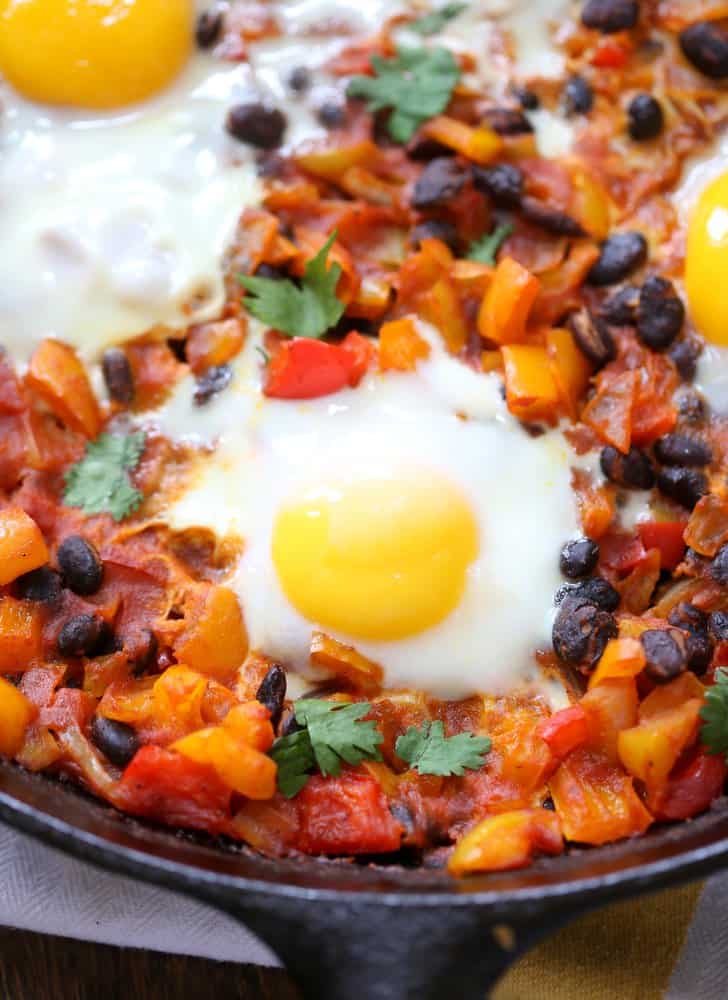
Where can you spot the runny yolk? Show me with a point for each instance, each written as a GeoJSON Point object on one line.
{"type": "Point", "coordinates": [706, 262]}
{"type": "Point", "coordinates": [93, 53]}
{"type": "Point", "coordinates": [376, 558]}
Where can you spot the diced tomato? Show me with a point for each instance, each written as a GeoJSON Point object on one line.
{"type": "Point", "coordinates": [609, 55]}
{"type": "Point", "coordinates": [667, 538]}
{"type": "Point", "coordinates": [346, 815]}
{"type": "Point", "coordinates": [70, 706]}
{"type": "Point", "coordinates": [564, 730]}
{"type": "Point", "coordinates": [693, 785]}
{"type": "Point", "coordinates": [304, 369]}
{"type": "Point", "coordinates": [174, 790]}
{"type": "Point", "coordinates": [621, 551]}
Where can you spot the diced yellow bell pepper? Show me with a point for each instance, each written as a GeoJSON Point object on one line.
{"type": "Point", "coordinates": [531, 392]}
{"type": "Point", "coordinates": [507, 303]}
{"type": "Point", "coordinates": [16, 714]}
{"type": "Point", "coordinates": [401, 346]}
{"type": "Point", "coordinates": [22, 547]}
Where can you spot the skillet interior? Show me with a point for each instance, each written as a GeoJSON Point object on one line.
{"type": "Point", "coordinates": [376, 916]}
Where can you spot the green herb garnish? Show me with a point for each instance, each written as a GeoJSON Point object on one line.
{"type": "Point", "coordinates": [429, 751]}
{"type": "Point", "coordinates": [485, 249]}
{"type": "Point", "coordinates": [99, 483]}
{"type": "Point", "coordinates": [714, 713]}
{"type": "Point", "coordinates": [431, 23]}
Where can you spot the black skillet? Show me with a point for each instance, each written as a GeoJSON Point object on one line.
{"type": "Point", "coordinates": [352, 932]}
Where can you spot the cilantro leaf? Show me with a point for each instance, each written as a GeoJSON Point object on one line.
{"type": "Point", "coordinates": [429, 751]}
{"type": "Point", "coordinates": [430, 24]}
{"type": "Point", "coordinates": [306, 311]}
{"type": "Point", "coordinates": [714, 713]}
{"type": "Point", "coordinates": [485, 249]}
{"type": "Point", "coordinates": [99, 482]}
{"type": "Point", "coordinates": [294, 756]}
{"type": "Point", "coordinates": [416, 84]}
{"type": "Point", "coordinates": [337, 733]}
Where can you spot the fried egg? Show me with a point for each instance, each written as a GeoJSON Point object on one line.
{"type": "Point", "coordinates": [412, 517]}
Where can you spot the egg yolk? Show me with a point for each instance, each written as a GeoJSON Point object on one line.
{"type": "Point", "coordinates": [93, 53]}
{"type": "Point", "coordinates": [376, 559]}
{"type": "Point", "coordinates": [706, 262]}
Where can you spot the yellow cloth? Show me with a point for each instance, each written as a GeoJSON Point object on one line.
{"type": "Point", "coordinates": [626, 951]}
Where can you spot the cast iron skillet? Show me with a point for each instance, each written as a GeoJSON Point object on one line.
{"type": "Point", "coordinates": [349, 931]}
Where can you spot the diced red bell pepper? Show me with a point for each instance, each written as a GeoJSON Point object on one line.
{"type": "Point", "coordinates": [305, 369]}
{"type": "Point", "coordinates": [175, 790]}
{"type": "Point", "coordinates": [667, 538]}
{"type": "Point", "coordinates": [346, 815]}
{"type": "Point", "coordinates": [564, 731]}
{"type": "Point", "coordinates": [609, 55]}
{"type": "Point", "coordinates": [693, 785]}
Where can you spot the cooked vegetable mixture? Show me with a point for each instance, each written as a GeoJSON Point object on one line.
{"type": "Point", "coordinates": [423, 222]}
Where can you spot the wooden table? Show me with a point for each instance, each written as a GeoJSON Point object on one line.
{"type": "Point", "coordinates": [37, 967]}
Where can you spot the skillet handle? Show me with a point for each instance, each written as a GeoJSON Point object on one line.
{"type": "Point", "coordinates": [376, 951]}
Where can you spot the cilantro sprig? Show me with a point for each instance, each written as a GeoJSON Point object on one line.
{"type": "Point", "coordinates": [99, 483]}
{"type": "Point", "coordinates": [308, 310]}
{"type": "Point", "coordinates": [429, 751]}
{"type": "Point", "coordinates": [484, 250]}
{"type": "Point", "coordinates": [714, 713]}
{"type": "Point", "coordinates": [416, 84]}
{"type": "Point", "coordinates": [334, 733]}
{"type": "Point", "coordinates": [430, 24]}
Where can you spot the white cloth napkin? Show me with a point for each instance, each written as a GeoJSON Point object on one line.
{"type": "Point", "coordinates": [44, 890]}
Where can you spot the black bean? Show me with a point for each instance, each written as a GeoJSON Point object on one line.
{"type": "Point", "coordinates": [272, 692]}
{"type": "Point", "coordinates": [660, 314]}
{"type": "Point", "coordinates": [645, 118]}
{"type": "Point", "coordinates": [682, 449]}
{"type": "Point", "coordinates": [80, 564]}
{"type": "Point", "coordinates": [592, 336]}
{"type": "Point", "coordinates": [578, 557]}
{"type": "Point", "coordinates": [684, 355]}
{"type": "Point", "coordinates": [718, 625]}
{"type": "Point", "coordinates": [620, 308]}
{"type": "Point", "coordinates": [609, 16]}
{"type": "Point", "coordinates": [300, 79]}
{"type": "Point", "coordinates": [684, 486]}
{"type": "Point", "coordinates": [578, 96]}
{"type": "Point", "coordinates": [691, 407]}
{"type": "Point", "coordinates": [502, 183]}
{"type": "Point", "coordinates": [440, 181]}
{"type": "Point", "coordinates": [213, 380]}
{"type": "Point", "coordinates": [665, 654]}
{"type": "Point", "coordinates": [594, 591]}
{"type": "Point", "coordinates": [705, 45]}
{"type": "Point", "coordinates": [145, 650]}
{"type": "Point", "coordinates": [719, 566]}
{"type": "Point", "coordinates": [42, 585]}
{"type": "Point", "coordinates": [82, 635]}
{"type": "Point", "coordinates": [116, 741]}
{"type": "Point", "coordinates": [422, 148]}
{"type": "Point", "coordinates": [621, 253]}
{"type": "Point", "coordinates": [698, 643]}
{"type": "Point", "coordinates": [580, 633]}
{"type": "Point", "coordinates": [437, 229]}
{"type": "Point", "coordinates": [526, 98]}
{"type": "Point", "coordinates": [553, 220]}
{"type": "Point", "coordinates": [118, 375]}
{"type": "Point", "coordinates": [508, 121]}
{"type": "Point", "coordinates": [332, 114]}
{"type": "Point", "coordinates": [633, 470]}
{"type": "Point", "coordinates": [209, 26]}
{"type": "Point", "coordinates": [257, 124]}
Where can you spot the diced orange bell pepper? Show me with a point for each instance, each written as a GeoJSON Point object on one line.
{"type": "Point", "coordinates": [331, 162]}
{"type": "Point", "coordinates": [345, 663]}
{"type": "Point", "coordinates": [565, 730]}
{"type": "Point", "coordinates": [621, 658]}
{"type": "Point", "coordinates": [570, 368]}
{"type": "Point", "coordinates": [20, 635]}
{"type": "Point", "coordinates": [531, 392]}
{"type": "Point", "coordinates": [178, 698]}
{"type": "Point", "coordinates": [58, 376]}
{"type": "Point", "coordinates": [441, 306]}
{"type": "Point", "coordinates": [215, 343]}
{"type": "Point", "coordinates": [610, 707]}
{"type": "Point", "coordinates": [507, 841]}
{"type": "Point", "coordinates": [22, 547]}
{"type": "Point", "coordinates": [507, 303]}
{"type": "Point", "coordinates": [665, 697]}
{"type": "Point", "coordinates": [595, 800]}
{"type": "Point", "coordinates": [372, 299]}
{"type": "Point", "coordinates": [480, 144]}
{"type": "Point", "coordinates": [401, 346]}
{"type": "Point", "coordinates": [16, 714]}
{"type": "Point", "coordinates": [240, 767]}
{"type": "Point", "coordinates": [215, 642]}
{"type": "Point", "coordinates": [250, 723]}
{"type": "Point", "coordinates": [650, 750]}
